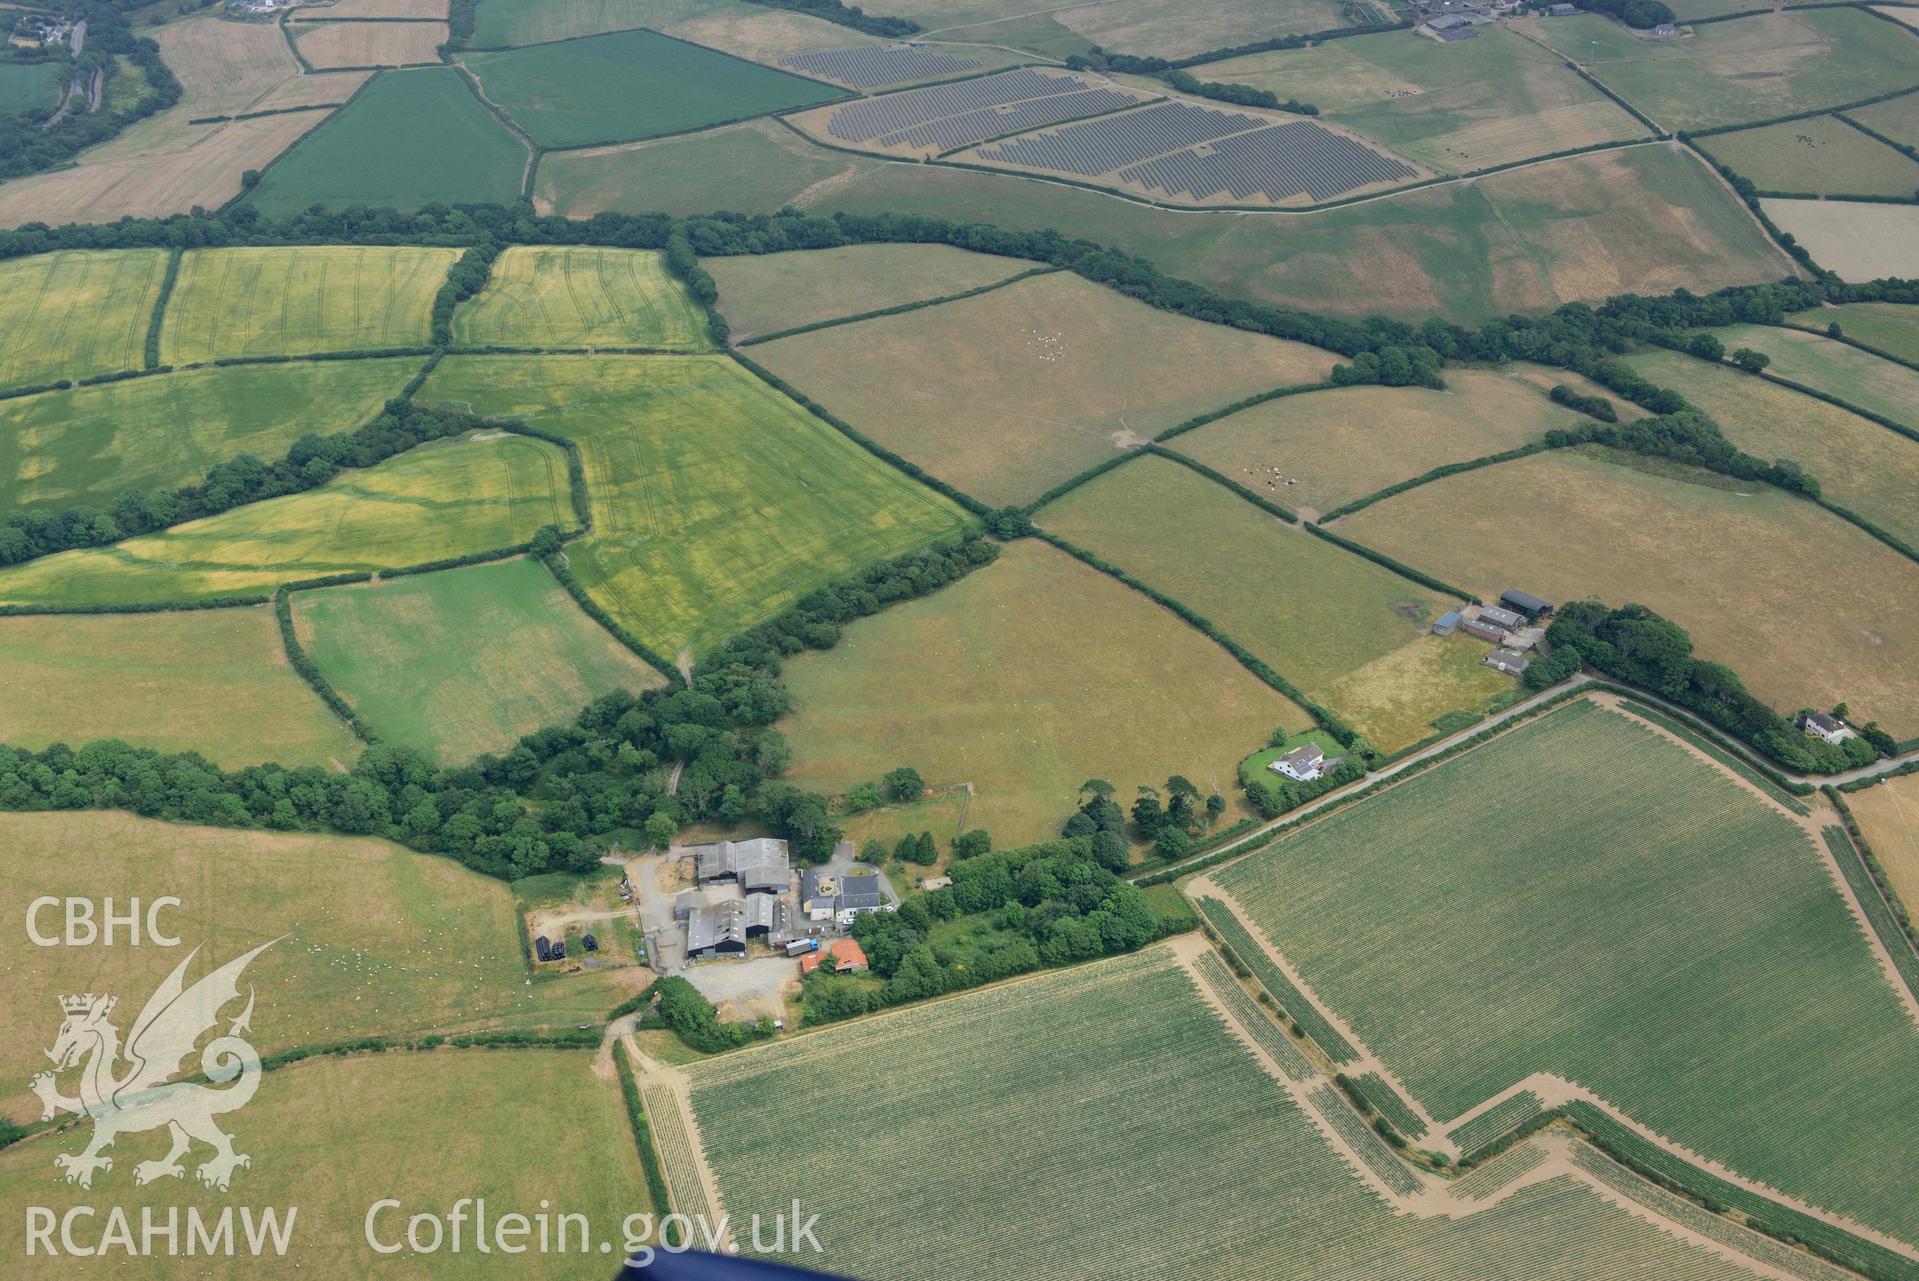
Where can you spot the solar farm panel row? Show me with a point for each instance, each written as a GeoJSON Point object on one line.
{"type": "Point", "coordinates": [1277, 163]}
{"type": "Point", "coordinates": [1101, 146]}
{"type": "Point", "coordinates": [970, 127]}
{"type": "Point", "coordinates": [877, 64]}
{"type": "Point", "coordinates": [870, 117]}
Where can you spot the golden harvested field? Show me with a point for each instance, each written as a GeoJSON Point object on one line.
{"type": "Point", "coordinates": [1889, 816]}
{"type": "Point", "coordinates": [334, 1136]}
{"type": "Point", "coordinates": [1025, 679]}
{"type": "Point", "coordinates": [212, 681]}
{"type": "Point", "coordinates": [1456, 107]}
{"type": "Point", "coordinates": [318, 88]}
{"type": "Point", "coordinates": [1589, 527]}
{"type": "Point", "coordinates": [581, 296]}
{"type": "Point", "coordinates": [201, 165]}
{"type": "Point", "coordinates": [766, 293]}
{"type": "Point", "coordinates": [1860, 465]}
{"type": "Point", "coordinates": [1325, 449]}
{"type": "Point", "coordinates": [1012, 392]}
{"type": "Point", "coordinates": [224, 67]}
{"type": "Point", "coordinates": [1330, 622]}
{"type": "Point", "coordinates": [379, 939]}
{"type": "Point", "coordinates": [369, 44]}
{"type": "Point", "coordinates": [1850, 238]}
{"type": "Point", "coordinates": [76, 312]}
{"type": "Point", "coordinates": [433, 503]}
{"type": "Point", "coordinates": [292, 301]}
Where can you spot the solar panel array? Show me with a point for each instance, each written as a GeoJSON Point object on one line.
{"type": "Point", "coordinates": [868, 118]}
{"type": "Point", "coordinates": [1101, 146]}
{"type": "Point", "coordinates": [877, 64]}
{"type": "Point", "coordinates": [1278, 163]}
{"type": "Point", "coordinates": [978, 125]}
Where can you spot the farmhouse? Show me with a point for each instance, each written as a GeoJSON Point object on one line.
{"type": "Point", "coordinates": [848, 957]}
{"type": "Point", "coordinates": [1302, 764]}
{"type": "Point", "coordinates": [760, 866]}
{"type": "Point", "coordinates": [1511, 662]}
{"type": "Point", "coordinates": [826, 897]}
{"type": "Point", "coordinates": [1447, 623]}
{"type": "Point", "coordinates": [1821, 726]}
{"type": "Point", "coordinates": [1526, 603]}
{"type": "Point", "coordinates": [1664, 31]}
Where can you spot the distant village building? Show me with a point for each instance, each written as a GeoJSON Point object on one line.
{"type": "Point", "coordinates": [1511, 662]}
{"type": "Point", "coordinates": [1829, 728]}
{"type": "Point", "coordinates": [1302, 764]}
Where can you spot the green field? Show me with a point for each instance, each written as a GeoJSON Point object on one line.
{"type": "Point", "coordinates": [1650, 929]}
{"type": "Point", "coordinates": [1456, 107]}
{"type": "Point", "coordinates": [1823, 156]}
{"type": "Point", "coordinates": [504, 23]}
{"type": "Point", "coordinates": [435, 502]}
{"type": "Point", "coordinates": [1857, 377]}
{"type": "Point", "coordinates": [1130, 1103]}
{"type": "Point", "coordinates": [379, 940]}
{"type": "Point", "coordinates": [1034, 674]}
{"type": "Point", "coordinates": [632, 84]}
{"type": "Point", "coordinates": [1860, 465]}
{"type": "Point", "coordinates": [716, 500]}
{"type": "Point", "coordinates": [581, 296]}
{"type": "Point", "coordinates": [76, 313]}
{"type": "Point", "coordinates": [296, 300]}
{"type": "Point", "coordinates": [410, 138]}
{"type": "Point", "coordinates": [1327, 448]}
{"type": "Point", "coordinates": [1335, 625]}
{"type": "Point", "coordinates": [1898, 119]}
{"type": "Point", "coordinates": [1642, 220]}
{"type": "Point", "coordinates": [215, 682]}
{"type": "Point", "coordinates": [1891, 327]}
{"type": "Point", "coordinates": [335, 1136]}
{"type": "Point", "coordinates": [1009, 393]}
{"type": "Point", "coordinates": [465, 661]}
{"type": "Point", "coordinates": [88, 445]}
{"type": "Point", "coordinates": [766, 293]}
{"type": "Point", "coordinates": [1597, 525]}
{"type": "Point", "coordinates": [30, 86]}
{"type": "Point", "coordinates": [1168, 28]}
{"type": "Point", "coordinates": [1750, 69]}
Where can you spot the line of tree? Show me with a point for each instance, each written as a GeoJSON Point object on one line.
{"type": "Point", "coordinates": [562, 793]}
{"type": "Point", "coordinates": [1688, 436]}
{"type": "Point", "coordinates": [1642, 15]}
{"type": "Point", "coordinates": [1047, 904]}
{"type": "Point", "coordinates": [311, 461]}
{"type": "Point", "coordinates": [847, 15]}
{"type": "Point", "coordinates": [696, 1020]}
{"type": "Point", "coordinates": [1635, 645]}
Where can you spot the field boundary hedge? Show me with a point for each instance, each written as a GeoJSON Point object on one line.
{"type": "Point", "coordinates": [564, 573]}
{"type": "Point", "coordinates": [158, 319]}
{"type": "Point", "coordinates": [1874, 869]}
{"type": "Point", "coordinates": [1214, 415]}
{"type": "Point", "coordinates": [1047, 270]}
{"type": "Point", "coordinates": [1437, 473]}
{"type": "Point", "coordinates": [1875, 100]}
{"type": "Point", "coordinates": [1885, 920]}
{"type": "Point", "coordinates": [1766, 780]}
{"type": "Point", "coordinates": [1220, 478]}
{"type": "Point", "coordinates": [310, 671]}
{"type": "Point", "coordinates": [1387, 562]}
{"type": "Point", "coordinates": [650, 1166]}
{"type": "Point", "coordinates": [1843, 337]}
{"type": "Point", "coordinates": [871, 446]}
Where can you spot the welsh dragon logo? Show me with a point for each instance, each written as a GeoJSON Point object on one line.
{"type": "Point", "coordinates": [141, 1097]}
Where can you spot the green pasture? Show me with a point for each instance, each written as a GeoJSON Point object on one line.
{"type": "Point", "coordinates": [75, 313]}
{"type": "Point", "coordinates": [501, 24]}
{"type": "Point", "coordinates": [1889, 326]}
{"type": "Point", "coordinates": [289, 301]}
{"type": "Point", "coordinates": [1821, 156]}
{"type": "Point", "coordinates": [1118, 1074]}
{"type": "Point", "coordinates": [1898, 118]}
{"type": "Point", "coordinates": [409, 138]}
{"type": "Point", "coordinates": [1620, 912]}
{"type": "Point", "coordinates": [87, 446]}
{"type": "Point", "coordinates": [31, 86]}
{"type": "Point", "coordinates": [214, 681]}
{"type": "Point", "coordinates": [581, 296]}
{"type": "Point", "coordinates": [632, 84]}
{"type": "Point", "coordinates": [1316, 613]}
{"type": "Point", "coordinates": [433, 503]}
{"type": "Point", "coordinates": [465, 661]}
{"type": "Point", "coordinates": [1857, 377]}
{"type": "Point", "coordinates": [716, 500]}
{"type": "Point", "coordinates": [1746, 70]}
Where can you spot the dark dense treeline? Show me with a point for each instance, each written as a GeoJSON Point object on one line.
{"type": "Point", "coordinates": [1637, 646]}
{"type": "Point", "coordinates": [27, 146]}
{"type": "Point", "coordinates": [1046, 904]}
{"type": "Point", "coordinates": [310, 462]}
{"type": "Point", "coordinates": [1688, 436]}
{"type": "Point", "coordinates": [847, 15]}
{"type": "Point", "coordinates": [1102, 60]}
{"type": "Point", "coordinates": [1639, 14]}
{"type": "Point", "coordinates": [551, 802]}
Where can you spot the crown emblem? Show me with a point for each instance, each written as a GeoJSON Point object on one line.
{"type": "Point", "coordinates": [81, 1004]}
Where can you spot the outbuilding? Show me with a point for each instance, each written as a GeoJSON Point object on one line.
{"type": "Point", "coordinates": [1498, 617]}
{"type": "Point", "coordinates": [1526, 603]}
{"type": "Point", "coordinates": [1447, 623]}
{"type": "Point", "coordinates": [1511, 662]}
{"type": "Point", "coordinates": [1483, 630]}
